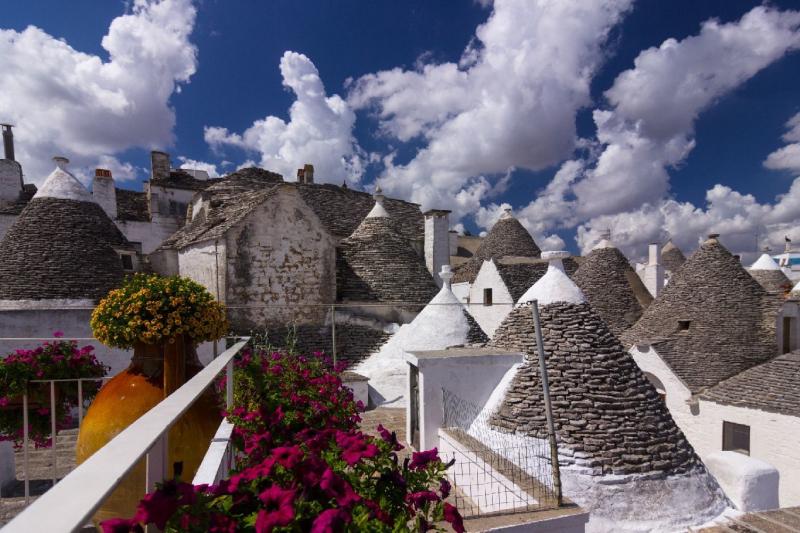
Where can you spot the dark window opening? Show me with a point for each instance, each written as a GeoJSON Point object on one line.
{"type": "Point", "coordinates": [127, 262]}
{"type": "Point", "coordinates": [736, 437]}
{"type": "Point", "coordinates": [788, 323]}
{"type": "Point", "coordinates": [683, 325]}
{"type": "Point", "coordinates": [487, 296]}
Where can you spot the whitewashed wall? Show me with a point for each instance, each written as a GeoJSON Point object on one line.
{"type": "Point", "coordinates": [774, 438]}
{"type": "Point", "coordinates": [489, 317]}
{"type": "Point", "coordinates": [461, 290]}
{"type": "Point", "coordinates": [149, 234]}
{"type": "Point", "coordinates": [204, 262]}
{"type": "Point", "coordinates": [280, 256]}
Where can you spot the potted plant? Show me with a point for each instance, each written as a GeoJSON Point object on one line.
{"type": "Point", "coordinates": [163, 319]}
{"type": "Point", "coordinates": [60, 359]}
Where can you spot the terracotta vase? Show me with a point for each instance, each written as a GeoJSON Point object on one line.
{"type": "Point", "coordinates": [155, 372]}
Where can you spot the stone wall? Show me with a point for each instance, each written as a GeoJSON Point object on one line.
{"type": "Point", "coordinates": [5, 222]}
{"type": "Point", "coordinates": [280, 265]}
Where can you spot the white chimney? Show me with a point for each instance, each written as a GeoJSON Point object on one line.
{"type": "Point", "coordinates": [105, 192]}
{"type": "Point", "coordinates": [437, 241]}
{"type": "Point", "coordinates": [654, 271]}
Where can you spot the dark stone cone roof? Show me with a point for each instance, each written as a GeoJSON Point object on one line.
{"type": "Point", "coordinates": [772, 280]}
{"type": "Point", "coordinates": [613, 288]}
{"type": "Point", "coordinates": [60, 248]}
{"type": "Point", "coordinates": [671, 257]}
{"type": "Point", "coordinates": [604, 408]}
{"type": "Point", "coordinates": [732, 319]}
{"type": "Point", "coordinates": [377, 263]}
{"type": "Point", "coordinates": [475, 335]}
{"type": "Point", "coordinates": [773, 386]}
{"type": "Point", "coordinates": [506, 238]}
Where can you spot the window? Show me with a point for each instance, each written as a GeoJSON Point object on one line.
{"type": "Point", "coordinates": [487, 296]}
{"type": "Point", "coordinates": [127, 262]}
{"type": "Point", "coordinates": [683, 325]}
{"type": "Point", "coordinates": [788, 324]}
{"type": "Point", "coordinates": [735, 437]}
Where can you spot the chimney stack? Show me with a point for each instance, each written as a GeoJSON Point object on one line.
{"type": "Point", "coordinates": [654, 271]}
{"type": "Point", "coordinates": [301, 178]}
{"type": "Point", "coordinates": [437, 242]}
{"type": "Point", "coordinates": [105, 192]}
{"type": "Point", "coordinates": [8, 141]}
{"type": "Point", "coordinates": [159, 165]}
{"type": "Point", "coordinates": [308, 173]}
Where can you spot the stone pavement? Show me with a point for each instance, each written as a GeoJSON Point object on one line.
{"type": "Point", "coordinates": [786, 520]}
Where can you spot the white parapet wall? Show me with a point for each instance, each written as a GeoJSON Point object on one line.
{"type": "Point", "coordinates": [358, 384]}
{"type": "Point", "coordinates": [750, 484]}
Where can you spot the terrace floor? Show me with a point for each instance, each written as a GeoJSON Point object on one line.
{"type": "Point", "coordinates": [786, 520]}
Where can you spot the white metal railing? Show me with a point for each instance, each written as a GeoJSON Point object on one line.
{"type": "Point", "coordinates": [219, 458]}
{"type": "Point", "coordinates": [70, 504]}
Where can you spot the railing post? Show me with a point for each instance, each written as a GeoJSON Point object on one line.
{"type": "Point", "coordinates": [548, 408]}
{"type": "Point", "coordinates": [229, 385]}
{"type": "Point", "coordinates": [53, 430]}
{"type": "Point", "coordinates": [156, 463]}
{"type": "Point", "coordinates": [333, 331]}
{"type": "Point", "coordinates": [25, 444]}
{"type": "Point", "coordinates": [80, 403]}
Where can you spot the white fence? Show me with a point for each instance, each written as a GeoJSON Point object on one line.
{"type": "Point", "coordinates": [70, 504]}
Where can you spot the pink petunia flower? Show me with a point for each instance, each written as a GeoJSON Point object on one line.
{"type": "Point", "coordinates": [330, 521]}
{"type": "Point", "coordinates": [278, 508]}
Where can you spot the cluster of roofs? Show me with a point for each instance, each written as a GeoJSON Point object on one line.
{"type": "Point", "coordinates": [651, 370]}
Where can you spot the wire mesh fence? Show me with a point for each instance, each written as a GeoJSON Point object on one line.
{"type": "Point", "coordinates": [493, 472]}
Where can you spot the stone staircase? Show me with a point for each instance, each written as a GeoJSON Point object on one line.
{"type": "Point", "coordinates": [40, 468]}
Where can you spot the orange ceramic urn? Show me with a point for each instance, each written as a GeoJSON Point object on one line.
{"type": "Point", "coordinates": [155, 371]}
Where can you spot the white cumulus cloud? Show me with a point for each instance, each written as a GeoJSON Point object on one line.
{"type": "Point", "coordinates": [319, 130]}
{"type": "Point", "coordinates": [787, 157]}
{"type": "Point", "coordinates": [70, 103]}
{"type": "Point", "coordinates": [509, 102]}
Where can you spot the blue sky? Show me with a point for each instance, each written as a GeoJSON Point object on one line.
{"type": "Point", "coordinates": [235, 79]}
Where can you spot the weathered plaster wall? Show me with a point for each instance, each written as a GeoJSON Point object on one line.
{"type": "Point", "coordinates": [205, 263]}
{"type": "Point", "coordinates": [279, 256]}
{"type": "Point", "coordinates": [489, 317]}
{"type": "Point", "coordinates": [773, 437]}
{"type": "Point", "coordinates": [461, 290]}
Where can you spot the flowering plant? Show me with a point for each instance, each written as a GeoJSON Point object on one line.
{"type": "Point", "coordinates": [151, 309]}
{"type": "Point", "coordinates": [304, 465]}
{"type": "Point", "coordinates": [52, 360]}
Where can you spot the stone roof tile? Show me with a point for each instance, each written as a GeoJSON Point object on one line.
{"type": "Point", "coordinates": [773, 386]}
{"type": "Point", "coordinates": [712, 321]}
{"type": "Point", "coordinates": [613, 288]}
{"type": "Point", "coordinates": [132, 206]}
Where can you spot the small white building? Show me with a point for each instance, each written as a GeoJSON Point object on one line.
{"type": "Point", "coordinates": [444, 322]}
{"type": "Point", "coordinates": [708, 344]}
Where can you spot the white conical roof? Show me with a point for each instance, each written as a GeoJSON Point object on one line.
{"type": "Point", "coordinates": [444, 322]}
{"type": "Point", "coordinates": [555, 285]}
{"type": "Point", "coordinates": [378, 211]}
{"type": "Point", "coordinates": [765, 262]}
{"type": "Point", "coordinates": [604, 243]}
{"type": "Point", "coordinates": [62, 184]}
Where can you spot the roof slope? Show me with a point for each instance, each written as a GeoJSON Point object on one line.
{"type": "Point", "coordinates": [339, 209]}
{"type": "Point", "coordinates": [773, 386]}
{"type": "Point", "coordinates": [180, 179]}
{"type": "Point", "coordinates": [15, 207]}
{"type": "Point", "coordinates": [603, 406]}
{"type": "Point", "coordinates": [60, 248]}
{"type": "Point", "coordinates": [506, 238]}
{"type": "Point", "coordinates": [769, 275]}
{"type": "Point", "coordinates": [732, 319]}
{"type": "Point", "coordinates": [671, 257]}
{"type": "Point", "coordinates": [132, 206]}
{"type": "Point", "coordinates": [613, 288]}
{"type": "Point", "coordinates": [518, 275]}
{"type": "Point", "coordinates": [377, 263]}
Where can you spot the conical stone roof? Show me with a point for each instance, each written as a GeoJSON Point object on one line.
{"type": "Point", "coordinates": [712, 321]}
{"type": "Point", "coordinates": [612, 287]}
{"type": "Point", "coordinates": [444, 322]}
{"type": "Point", "coordinates": [769, 275]}
{"type": "Point", "coordinates": [609, 419]}
{"type": "Point", "coordinates": [62, 245]}
{"type": "Point", "coordinates": [671, 257]}
{"type": "Point", "coordinates": [377, 263]}
{"type": "Point", "coordinates": [507, 238]}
